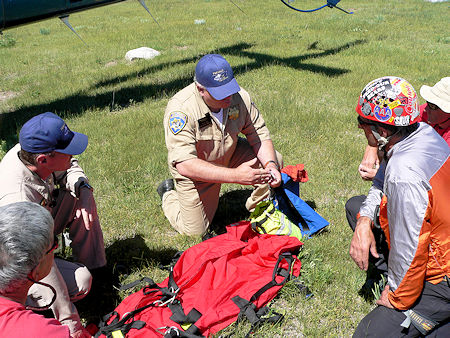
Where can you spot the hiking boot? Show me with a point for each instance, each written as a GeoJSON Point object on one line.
{"type": "Point", "coordinates": [164, 187]}
{"type": "Point", "coordinates": [374, 284]}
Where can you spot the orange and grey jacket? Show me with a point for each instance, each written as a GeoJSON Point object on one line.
{"type": "Point", "coordinates": [414, 214]}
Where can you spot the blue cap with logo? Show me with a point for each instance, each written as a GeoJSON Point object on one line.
{"type": "Point", "coordinates": [215, 74]}
{"type": "Point", "coordinates": [48, 132]}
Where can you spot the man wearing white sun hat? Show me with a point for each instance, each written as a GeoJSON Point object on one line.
{"type": "Point", "coordinates": [437, 110]}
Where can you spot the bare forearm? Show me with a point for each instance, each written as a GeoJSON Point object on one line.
{"type": "Point", "coordinates": [370, 157]}
{"type": "Point", "coordinates": [265, 152]}
{"type": "Point", "coordinates": [200, 170]}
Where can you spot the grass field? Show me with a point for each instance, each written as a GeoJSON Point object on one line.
{"type": "Point", "coordinates": [304, 72]}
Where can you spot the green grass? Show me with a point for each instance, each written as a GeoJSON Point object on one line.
{"type": "Point", "coordinates": [304, 72]}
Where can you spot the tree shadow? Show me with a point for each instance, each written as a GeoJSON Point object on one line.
{"type": "Point", "coordinates": [118, 94]}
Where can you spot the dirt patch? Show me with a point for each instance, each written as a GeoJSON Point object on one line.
{"type": "Point", "coordinates": [111, 64]}
{"type": "Point", "coordinates": [7, 95]}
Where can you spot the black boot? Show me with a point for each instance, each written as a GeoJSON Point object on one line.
{"type": "Point", "coordinates": [164, 187]}
{"type": "Point", "coordinates": [375, 281]}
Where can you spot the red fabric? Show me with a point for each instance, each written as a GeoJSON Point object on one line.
{"type": "Point", "coordinates": [16, 321]}
{"type": "Point", "coordinates": [210, 273]}
{"type": "Point", "coordinates": [445, 133]}
{"type": "Point", "coordinates": [296, 172]}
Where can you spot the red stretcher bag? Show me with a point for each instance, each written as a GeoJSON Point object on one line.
{"type": "Point", "coordinates": [212, 283]}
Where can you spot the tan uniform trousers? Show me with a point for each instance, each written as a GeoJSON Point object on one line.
{"type": "Point", "coordinates": [87, 245]}
{"type": "Point", "coordinates": [191, 207]}
{"type": "Point", "coordinates": [72, 282]}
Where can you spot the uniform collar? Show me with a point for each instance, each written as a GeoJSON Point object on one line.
{"type": "Point", "coordinates": [30, 178]}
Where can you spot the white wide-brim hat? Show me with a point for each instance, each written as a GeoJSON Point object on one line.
{"type": "Point", "coordinates": [439, 94]}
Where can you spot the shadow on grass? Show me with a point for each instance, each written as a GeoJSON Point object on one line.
{"type": "Point", "coordinates": [118, 94]}
{"type": "Point", "coordinates": [124, 256]}
{"type": "Point", "coordinates": [231, 209]}
{"type": "Point", "coordinates": [127, 255]}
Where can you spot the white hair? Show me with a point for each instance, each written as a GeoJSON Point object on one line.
{"type": "Point", "coordinates": [26, 232]}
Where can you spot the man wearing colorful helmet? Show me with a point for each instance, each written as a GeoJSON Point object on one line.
{"type": "Point", "coordinates": [202, 125]}
{"type": "Point", "coordinates": [435, 112]}
{"type": "Point", "coordinates": [413, 197]}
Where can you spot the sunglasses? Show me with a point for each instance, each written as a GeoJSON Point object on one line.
{"type": "Point", "coordinates": [54, 246]}
{"type": "Point", "coordinates": [432, 106]}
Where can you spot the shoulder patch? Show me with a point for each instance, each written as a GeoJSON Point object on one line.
{"type": "Point", "coordinates": [233, 112]}
{"type": "Point", "coordinates": [177, 121]}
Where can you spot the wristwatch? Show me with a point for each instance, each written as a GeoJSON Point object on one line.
{"type": "Point", "coordinates": [84, 184]}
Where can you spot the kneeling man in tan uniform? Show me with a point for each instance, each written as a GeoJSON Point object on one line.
{"type": "Point", "coordinates": [202, 123]}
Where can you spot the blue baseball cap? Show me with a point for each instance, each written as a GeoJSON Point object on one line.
{"type": "Point", "coordinates": [215, 74]}
{"type": "Point", "coordinates": [48, 132]}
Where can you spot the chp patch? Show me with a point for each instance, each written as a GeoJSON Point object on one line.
{"type": "Point", "coordinates": [177, 121]}
{"type": "Point", "coordinates": [233, 112]}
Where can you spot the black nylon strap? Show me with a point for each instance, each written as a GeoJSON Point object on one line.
{"type": "Point", "coordinates": [247, 309]}
{"type": "Point", "coordinates": [277, 271]}
{"type": "Point", "coordinates": [122, 324]}
{"type": "Point", "coordinates": [255, 317]}
{"type": "Point", "coordinates": [147, 280]}
{"type": "Point", "coordinates": [272, 319]}
{"type": "Point", "coordinates": [422, 323]}
{"type": "Point", "coordinates": [167, 293]}
{"type": "Point", "coordinates": [180, 333]}
{"type": "Point", "coordinates": [259, 224]}
{"type": "Point", "coordinates": [178, 315]}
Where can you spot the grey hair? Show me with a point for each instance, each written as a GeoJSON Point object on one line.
{"type": "Point", "coordinates": [198, 83]}
{"type": "Point", "coordinates": [26, 232]}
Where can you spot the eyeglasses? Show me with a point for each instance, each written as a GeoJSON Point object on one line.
{"type": "Point", "coordinates": [54, 246]}
{"type": "Point", "coordinates": [432, 106]}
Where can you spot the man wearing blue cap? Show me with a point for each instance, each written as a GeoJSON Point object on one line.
{"type": "Point", "coordinates": [41, 169]}
{"type": "Point", "coordinates": [202, 123]}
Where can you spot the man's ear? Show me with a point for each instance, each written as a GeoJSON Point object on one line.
{"type": "Point", "coordinates": [383, 131]}
{"type": "Point", "coordinates": [201, 90]}
{"type": "Point", "coordinates": [34, 274]}
{"type": "Point", "coordinates": [41, 159]}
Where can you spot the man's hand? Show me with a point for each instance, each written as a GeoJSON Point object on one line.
{"type": "Point", "coordinates": [249, 173]}
{"type": "Point", "coordinates": [275, 175]}
{"type": "Point", "coordinates": [384, 300]}
{"type": "Point", "coordinates": [82, 333]}
{"type": "Point", "coordinates": [363, 241]}
{"type": "Point", "coordinates": [369, 164]}
{"type": "Point", "coordinates": [87, 208]}
{"type": "Point", "coordinates": [367, 173]}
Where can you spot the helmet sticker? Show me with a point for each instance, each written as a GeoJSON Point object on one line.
{"type": "Point", "coordinates": [366, 109]}
{"type": "Point", "coordinates": [177, 121]}
{"type": "Point", "coordinates": [402, 120]}
{"type": "Point", "coordinates": [382, 114]}
{"type": "Point", "coordinates": [398, 111]}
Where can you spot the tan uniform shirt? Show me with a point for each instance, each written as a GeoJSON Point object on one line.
{"type": "Point", "coordinates": [18, 183]}
{"type": "Point", "coordinates": [191, 132]}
